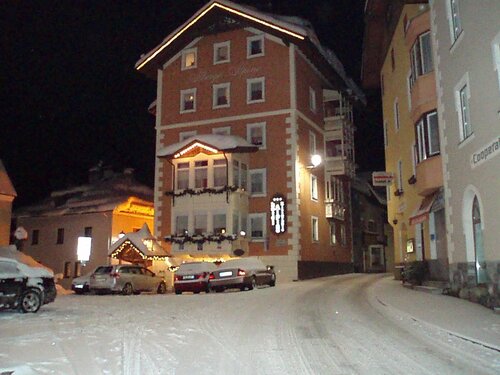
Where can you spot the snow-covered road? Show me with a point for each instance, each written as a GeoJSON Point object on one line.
{"type": "Point", "coordinates": [328, 326]}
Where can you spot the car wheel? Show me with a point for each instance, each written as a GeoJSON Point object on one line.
{"type": "Point", "coordinates": [31, 301]}
{"type": "Point", "coordinates": [78, 291]}
{"type": "Point", "coordinates": [207, 289]}
{"type": "Point", "coordinates": [162, 288]}
{"type": "Point", "coordinates": [196, 292]}
{"type": "Point", "coordinates": [273, 280]}
{"type": "Point", "coordinates": [253, 284]}
{"type": "Point", "coordinates": [127, 289]}
{"type": "Point", "coordinates": [219, 290]}
{"type": "Point", "coordinates": [178, 292]}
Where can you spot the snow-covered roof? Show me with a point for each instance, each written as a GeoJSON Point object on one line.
{"type": "Point", "coordinates": [6, 187]}
{"type": "Point", "coordinates": [359, 183]}
{"type": "Point", "coordinates": [296, 28]}
{"type": "Point", "coordinates": [219, 142]}
{"type": "Point", "coordinates": [102, 195]}
{"type": "Point", "coordinates": [136, 240]}
{"type": "Point", "coordinates": [35, 269]}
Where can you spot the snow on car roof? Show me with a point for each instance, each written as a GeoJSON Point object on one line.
{"type": "Point", "coordinates": [195, 267]}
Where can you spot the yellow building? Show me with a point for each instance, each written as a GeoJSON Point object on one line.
{"type": "Point", "coordinates": [398, 45]}
{"type": "Point", "coordinates": [7, 195]}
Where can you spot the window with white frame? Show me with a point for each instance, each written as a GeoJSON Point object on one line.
{"type": "Point", "coordinates": [257, 226]}
{"type": "Point", "coordinates": [312, 143]}
{"type": "Point", "coordinates": [243, 176]}
{"type": "Point", "coordinates": [396, 114]}
{"type": "Point", "coordinates": [462, 97]}
{"type": "Point", "coordinates": [183, 176]}
{"type": "Point", "coordinates": [219, 223]}
{"type": "Point", "coordinates": [258, 182]}
{"type": "Point", "coordinates": [312, 99]}
{"type": "Point", "coordinates": [220, 95]}
{"type": "Point", "coordinates": [201, 174]}
{"type": "Point", "coordinates": [220, 172]}
{"type": "Point", "coordinates": [236, 173]}
{"type": "Point", "coordinates": [454, 20]}
{"type": "Point", "coordinates": [315, 228]}
{"type": "Point", "coordinates": [188, 100]}
{"type": "Point", "coordinates": [200, 224]}
{"type": "Point", "coordinates": [222, 52]}
{"type": "Point", "coordinates": [181, 224]}
{"type": "Point", "coordinates": [255, 46]}
{"type": "Point", "coordinates": [314, 188]}
{"type": "Point", "coordinates": [427, 136]}
{"type": "Point", "coordinates": [421, 57]}
{"type": "Point", "coordinates": [495, 46]}
{"type": "Point", "coordinates": [256, 134]}
{"type": "Point", "coordinates": [333, 233]}
{"type": "Point", "coordinates": [255, 90]}
{"type": "Point", "coordinates": [186, 135]}
{"type": "Point", "coordinates": [225, 130]}
{"type": "Point", "coordinates": [189, 58]}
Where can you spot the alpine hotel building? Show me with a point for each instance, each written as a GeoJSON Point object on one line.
{"type": "Point", "coordinates": [244, 100]}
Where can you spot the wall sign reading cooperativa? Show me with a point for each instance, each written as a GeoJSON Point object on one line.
{"type": "Point", "coordinates": [486, 152]}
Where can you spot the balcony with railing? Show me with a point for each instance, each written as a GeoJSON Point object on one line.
{"type": "Point", "coordinates": [334, 210]}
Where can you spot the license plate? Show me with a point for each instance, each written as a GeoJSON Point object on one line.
{"type": "Point", "coordinates": [226, 274]}
{"type": "Point", "coordinates": [188, 277]}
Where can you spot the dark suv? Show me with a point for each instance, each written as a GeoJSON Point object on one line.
{"type": "Point", "coordinates": [25, 287]}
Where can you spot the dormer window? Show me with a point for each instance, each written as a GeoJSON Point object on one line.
{"type": "Point", "coordinates": [222, 52]}
{"type": "Point", "coordinates": [255, 46]}
{"type": "Point", "coordinates": [189, 59]}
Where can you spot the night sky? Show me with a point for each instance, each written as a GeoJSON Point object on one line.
{"type": "Point", "coordinates": [70, 96]}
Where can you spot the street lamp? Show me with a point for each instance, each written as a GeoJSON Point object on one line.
{"type": "Point", "coordinates": [315, 161]}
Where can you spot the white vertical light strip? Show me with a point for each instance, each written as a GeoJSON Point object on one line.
{"type": "Point", "coordinates": [158, 188]}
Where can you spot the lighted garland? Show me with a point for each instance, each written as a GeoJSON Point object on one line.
{"type": "Point", "coordinates": [198, 239]}
{"type": "Point", "coordinates": [127, 243]}
{"type": "Point", "coordinates": [192, 192]}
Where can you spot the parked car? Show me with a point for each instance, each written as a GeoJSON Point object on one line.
{"type": "Point", "coordinates": [25, 287]}
{"type": "Point", "coordinates": [81, 285]}
{"type": "Point", "coordinates": [242, 273]}
{"type": "Point", "coordinates": [193, 277]}
{"type": "Point", "coordinates": [126, 279]}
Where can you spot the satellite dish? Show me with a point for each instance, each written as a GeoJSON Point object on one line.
{"type": "Point", "coordinates": [21, 234]}
{"type": "Point", "coordinates": [238, 252]}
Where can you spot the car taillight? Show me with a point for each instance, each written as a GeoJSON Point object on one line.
{"type": "Point", "coordinates": [114, 274]}
{"type": "Point", "coordinates": [211, 276]}
{"type": "Point", "coordinates": [177, 277]}
{"type": "Point", "coordinates": [241, 273]}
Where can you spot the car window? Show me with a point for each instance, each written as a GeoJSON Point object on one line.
{"type": "Point", "coordinates": [8, 268]}
{"type": "Point", "coordinates": [103, 269]}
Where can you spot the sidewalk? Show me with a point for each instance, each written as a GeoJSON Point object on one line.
{"type": "Point", "coordinates": [461, 318]}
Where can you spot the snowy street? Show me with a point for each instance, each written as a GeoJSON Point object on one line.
{"type": "Point", "coordinates": [333, 325]}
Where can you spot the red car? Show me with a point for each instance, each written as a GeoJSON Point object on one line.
{"type": "Point", "coordinates": [193, 277]}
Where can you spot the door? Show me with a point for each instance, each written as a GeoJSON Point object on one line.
{"type": "Point", "coordinates": [477, 229]}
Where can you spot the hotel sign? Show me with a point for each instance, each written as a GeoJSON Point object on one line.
{"type": "Point", "coordinates": [382, 178]}
{"type": "Point", "coordinates": [278, 214]}
{"type": "Point", "coordinates": [488, 151]}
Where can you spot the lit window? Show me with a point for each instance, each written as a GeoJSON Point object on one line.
{"type": "Point", "coordinates": [220, 172]}
{"type": "Point", "coordinates": [200, 224]}
{"type": "Point", "coordinates": [220, 98]}
{"type": "Point", "coordinates": [314, 188]}
{"type": "Point", "coordinates": [222, 52]}
{"type": "Point", "coordinates": [188, 100]}
{"type": "Point", "coordinates": [256, 134]}
{"type": "Point", "coordinates": [257, 226]}
{"type": "Point", "coordinates": [255, 90]}
{"type": "Point", "coordinates": [315, 228]}
{"type": "Point", "coordinates": [181, 225]}
{"type": "Point", "coordinates": [189, 59]}
{"type": "Point", "coordinates": [201, 174]}
{"type": "Point", "coordinates": [183, 176]}
{"type": "Point", "coordinates": [255, 46]}
{"type": "Point", "coordinates": [258, 182]}
{"type": "Point", "coordinates": [219, 223]}
{"type": "Point", "coordinates": [427, 136]}
{"type": "Point", "coordinates": [312, 99]}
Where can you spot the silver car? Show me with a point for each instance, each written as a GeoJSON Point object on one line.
{"type": "Point", "coordinates": [126, 279]}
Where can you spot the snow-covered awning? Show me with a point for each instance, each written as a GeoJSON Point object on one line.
{"type": "Point", "coordinates": [208, 143]}
{"type": "Point", "coordinates": [140, 245]}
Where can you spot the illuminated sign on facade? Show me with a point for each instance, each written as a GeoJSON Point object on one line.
{"type": "Point", "coordinates": [278, 213]}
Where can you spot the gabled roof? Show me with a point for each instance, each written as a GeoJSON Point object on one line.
{"type": "Point", "coordinates": [136, 241]}
{"type": "Point", "coordinates": [6, 187]}
{"type": "Point", "coordinates": [292, 29]}
{"type": "Point", "coordinates": [213, 143]}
